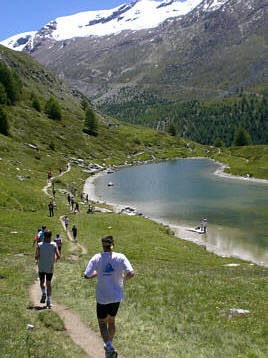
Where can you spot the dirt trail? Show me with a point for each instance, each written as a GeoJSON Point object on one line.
{"type": "Point", "coordinates": [79, 332]}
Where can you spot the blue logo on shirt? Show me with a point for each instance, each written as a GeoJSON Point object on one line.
{"type": "Point", "coordinates": [108, 269]}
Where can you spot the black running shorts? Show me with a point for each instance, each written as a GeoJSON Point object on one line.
{"type": "Point", "coordinates": [48, 276]}
{"type": "Point", "coordinates": [110, 309]}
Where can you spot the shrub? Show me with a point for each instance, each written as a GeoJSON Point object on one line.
{"type": "Point", "coordinates": [218, 143]}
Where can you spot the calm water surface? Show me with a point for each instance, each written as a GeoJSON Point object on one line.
{"type": "Point", "coordinates": [181, 192]}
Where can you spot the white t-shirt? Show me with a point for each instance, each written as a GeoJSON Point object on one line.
{"type": "Point", "coordinates": [47, 256]}
{"type": "Point", "coordinates": [110, 269]}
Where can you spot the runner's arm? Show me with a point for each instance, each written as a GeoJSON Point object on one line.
{"type": "Point", "coordinates": [37, 253]}
{"type": "Point", "coordinates": [128, 275]}
{"type": "Point", "coordinates": [91, 276]}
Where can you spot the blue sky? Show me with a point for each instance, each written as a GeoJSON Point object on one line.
{"type": "Point", "coordinates": [19, 16]}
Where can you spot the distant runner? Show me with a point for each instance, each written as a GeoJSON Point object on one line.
{"type": "Point", "coordinates": [74, 230]}
{"type": "Point", "coordinates": [46, 254]}
{"type": "Point", "coordinates": [108, 267]}
{"type": "Point", "coordinates": [204, 224]}
{"type": "Point", "coordinates": [58, 241]}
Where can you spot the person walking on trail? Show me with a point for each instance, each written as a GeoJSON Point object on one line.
{"type": "Point", "coordinates": [69, 198]}
{"type": "Point", "coordinates": [66, 222]}
{"type": "Point", "coordinates": [204, 224]}
{"type": "Point", "coordinates": [72, 202]}
{"type": "Point", "coordinates": [109, 267]}
{"type": "Point", "coordinates": [74, 230]}
{"type": "Point", "coordinates": [76, 209]}
{"type": "Point", "coordinates": [51, 209]}
{"type": "Point", "coordinates": [49, 176]}
{"type": "Point", "coordinates": [46, 254]}
{"type": "Point", "coordinates": [41, 234]}
{"type": "Point", "coordinates": [36, 238]}
{"type": "Point", "coordinates": [58, 241]}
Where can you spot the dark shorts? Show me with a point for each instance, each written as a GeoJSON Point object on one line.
{"type": "Point", "coordinates": [43, 275]}
{"type": "Point", "coordinates": [110, 309]}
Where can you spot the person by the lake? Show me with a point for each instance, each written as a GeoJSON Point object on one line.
{"type": "Point", "coordinates": [74, 230]}
{"type": "Point", "coordinates": [51, 209]}
{"type": "Point", "coordinates": [111, 269]}
{"type": "Point", "coordinates": [204, 224]}
{"type": "Point", "coordinates": [58, 241]}
{"type": "Point", "coordinates": [66, 222]}
{"type": "Point", "coordinates": [90, 209]}
{"type": "Point", "coordinates": [46, 254]}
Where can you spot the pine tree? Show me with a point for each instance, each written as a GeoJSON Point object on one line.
{"type": "Point", "coordinates": [11, 83]}
{"type": "Point", "coordinates": [241, 137]}
{"type": "Point", "coordinates": [91, 122]}
{"type": "Point", "coordinates": [172, 129]}
{"type": "Point", "coordinates": [52, 109]}
{"type": "Point", "coordinates": [3, 94]}
{"type": "Point", "coordinates": [36, 103]}
{"type": "Point", "coordinates": [4, 126]}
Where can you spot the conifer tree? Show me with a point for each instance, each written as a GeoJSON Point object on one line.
{"type": "Point", "coordinates": [91, 122]}
{"type": "Point", "coordinates": [3, 94]}
{"type": "Point", "coordinates": [52, 109]}
{"type": "Point", "coordinates": [36, 103]}
{"type": "Point", "coordinates": [172, 129]}
{"type": "Point", "coordinates": [11, 83]}
{"type": "Point", "coordinates": [4, 126]}
{"type": "Point", "coordinates": [241, 137]}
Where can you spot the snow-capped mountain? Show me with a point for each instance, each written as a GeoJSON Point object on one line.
{"type": "Point", "coordinates": [136, 15]}
{"type": "Point", "coordinates": [177, 50]}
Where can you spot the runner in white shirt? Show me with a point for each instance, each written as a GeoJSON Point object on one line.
{"type": "Point", "coordinates": [109, 267]}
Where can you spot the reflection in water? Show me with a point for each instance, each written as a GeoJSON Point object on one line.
{"type": "Point", "coordinates": [181, 192]}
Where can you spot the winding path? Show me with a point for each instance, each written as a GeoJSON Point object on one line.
{"type": "Point", "coordinates": [79, 332]}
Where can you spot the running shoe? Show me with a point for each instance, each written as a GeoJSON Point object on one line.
{"type": "Point", "coordinates": [49, 305]}
{"type": "Point", "coordinates": [43, 298]}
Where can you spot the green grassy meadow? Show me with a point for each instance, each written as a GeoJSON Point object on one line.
{"type": "Point", "coordinates": [177, 305]}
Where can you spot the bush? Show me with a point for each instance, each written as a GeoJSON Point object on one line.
{"type": "Point", "coordinates": [52, 109]}
{"type": "Point", "coordinates": [4, 126]}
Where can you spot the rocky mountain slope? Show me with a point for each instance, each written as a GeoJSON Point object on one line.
{"type": "Point", "coordinates": [208, 51]}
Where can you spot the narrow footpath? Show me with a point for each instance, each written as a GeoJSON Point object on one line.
{"type": "Point", "coordinates": [78, 331]}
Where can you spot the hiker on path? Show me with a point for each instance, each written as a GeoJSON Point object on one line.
{"type": "Point", "coordinates": [204, 224]}
{"type": "Point", "coordinates": [46, 254]}
{"type": "Point", "coordinates": [108, 267]}
{"type": "Point", "coordinates": [51, 209]}
{"type": "Point", "coordinates": [81, 195]}
{"type": "Point", "coordinates": [69, 198]}
{"type": "Point", "coordinates": [87, 198]}
{"type": "Point", "coordinates": [49, 176]}
{"type": "Point", "coordinates": [90, 209]}
{"type": "Point", "coordinates": [66, 222]}
{"type": "Point", "coordinates": [76, 209]}
{"type": "Point", "coordinates": [58, 241]}
{"type": "Point", "coordinates": [41, 234]}
{"type": "Point", "coordinates": [72, 202]}
{"type": "Point", "coordinates": [74, 230]}
{"type": "Point", "coordinates": [36, 238]}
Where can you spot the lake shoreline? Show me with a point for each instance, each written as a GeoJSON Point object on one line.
{"type": "Point", "coordinates": [180, 231]}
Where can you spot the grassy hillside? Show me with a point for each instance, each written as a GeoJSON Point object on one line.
{"type": "Point", "coordinates": [178, 304]}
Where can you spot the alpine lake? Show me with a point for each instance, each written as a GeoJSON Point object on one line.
{"type": "Point", "coordinates": [180, 192]}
